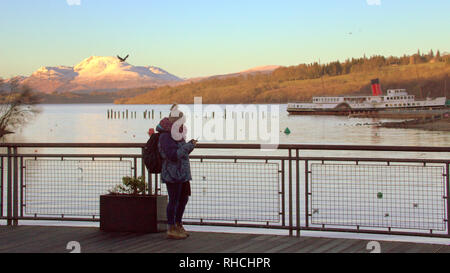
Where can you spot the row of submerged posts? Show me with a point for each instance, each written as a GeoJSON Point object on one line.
{"type": "Point", "coordinates": [152, 114]}
{"type": "Point", "coordinates": [111, 114]}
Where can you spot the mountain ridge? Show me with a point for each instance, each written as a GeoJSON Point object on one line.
{"type": "Point", "coordinates": [97, 73]}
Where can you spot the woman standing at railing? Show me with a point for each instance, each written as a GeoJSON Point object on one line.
{"type": "Point", "coordinates": [176, 170]}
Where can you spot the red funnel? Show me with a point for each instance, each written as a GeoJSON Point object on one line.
{"type": "Point", "coordinates": [376, 89]}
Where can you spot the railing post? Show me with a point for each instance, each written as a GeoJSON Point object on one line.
{"type": "Point", "coordinates": [283, 194]}
{"type": "Point", "coordinates": [9, 189]}
{"type": "Point", "coordinates": [22, 186]}
{"type": "Point", "coordinates": [135, 168]}
{"type": "Point", "coordinates": [290, 192]}
{"type": "Point", "coordinates": [297, 188]}
{"type": "Point", "coordinates": [143, 170]}
{"type": "Point", "coordinates": [16, 189]}
{"type": "Point", "coordinates": [1, 187]}
{"type": "Point", "coordinates": [448, 198]}
{"type": "Point", "coordinates": [306, 193]}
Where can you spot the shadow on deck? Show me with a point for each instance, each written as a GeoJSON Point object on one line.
{"type": "Point", "coordinates": [33, 239]}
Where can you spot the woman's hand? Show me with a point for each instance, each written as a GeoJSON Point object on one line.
{"type": "Point", "coordinates": [193, 141]}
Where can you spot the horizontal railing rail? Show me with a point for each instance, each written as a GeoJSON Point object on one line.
{"type": "Point", "coordinates": [240, 146]}
{"type": "Point", "coordinates": [291, 191]}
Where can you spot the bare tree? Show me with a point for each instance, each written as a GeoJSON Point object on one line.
{"type": "Point", "coordinates": [17, 105]}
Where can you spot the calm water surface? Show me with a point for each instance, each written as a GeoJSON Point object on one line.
{"type": "Point", "coordinates": [88, 123]}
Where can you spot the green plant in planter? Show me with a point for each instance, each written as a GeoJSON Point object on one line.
{"type": "Point", "coordinates": [130, 185]}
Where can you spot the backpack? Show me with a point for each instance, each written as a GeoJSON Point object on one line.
{"type": "Point", "coordinates": [151, 156]}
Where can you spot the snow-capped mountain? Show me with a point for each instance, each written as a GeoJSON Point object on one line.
{"type": "Point", "coordinates": [97, 73]}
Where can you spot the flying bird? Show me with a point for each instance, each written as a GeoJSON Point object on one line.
{"type": "Point", "coordinates": [122, 59]}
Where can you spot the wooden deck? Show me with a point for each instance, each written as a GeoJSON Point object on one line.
{"type": "Point", "coordinates": [47, 239]}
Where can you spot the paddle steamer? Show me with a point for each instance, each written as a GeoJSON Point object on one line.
{"type": "Point", "coordinates": [345, 105]}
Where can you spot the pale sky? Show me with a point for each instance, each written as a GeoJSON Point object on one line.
{"type": "Point", "coordinates": [193, 38]}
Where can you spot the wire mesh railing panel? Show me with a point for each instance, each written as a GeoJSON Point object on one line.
{"type": "Point", "coordinates": [402, 196]}
{"type": "Point", "coordinates": [229, 191]}
{"type": "Point", "coordinates": [70, 187]}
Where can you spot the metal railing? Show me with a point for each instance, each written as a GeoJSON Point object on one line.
{"type": "Point", "coordinates": [235, 186]}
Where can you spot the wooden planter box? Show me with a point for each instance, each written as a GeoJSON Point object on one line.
{"type": "Point", "coordinates": [128, 213]}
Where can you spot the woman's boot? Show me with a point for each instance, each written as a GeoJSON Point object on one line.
{"type": "Point", "coordinates": [174, 233]}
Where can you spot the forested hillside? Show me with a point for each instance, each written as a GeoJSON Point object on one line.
{"type": "Point", "coordinates": [421, 74]}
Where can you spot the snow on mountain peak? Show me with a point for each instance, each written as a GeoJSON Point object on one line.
{"type": "Point", "coordinates": [96, 65]}
{"type": "Point", "coordinates": [98, 72]}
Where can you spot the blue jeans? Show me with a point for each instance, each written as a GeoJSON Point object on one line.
{"type": "Point", "coordinates": [178, 198]}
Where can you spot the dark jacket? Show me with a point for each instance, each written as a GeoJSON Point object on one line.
{"type": "Point", "coordinates": [175, 155]}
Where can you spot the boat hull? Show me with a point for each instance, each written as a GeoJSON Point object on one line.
{"type": "Point", "coordinates": [368, 111]}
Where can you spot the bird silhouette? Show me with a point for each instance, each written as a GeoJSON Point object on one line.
{"type": "Point", "coordinates": [122, 59]}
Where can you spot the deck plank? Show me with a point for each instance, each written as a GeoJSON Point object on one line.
{"type": "Point", "coordinates": [32, 239]}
